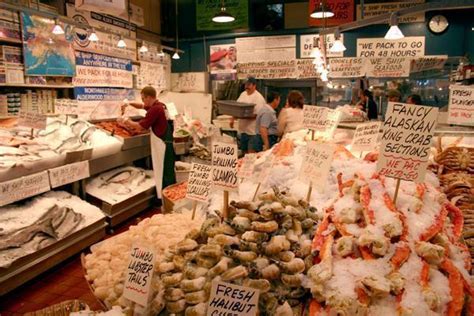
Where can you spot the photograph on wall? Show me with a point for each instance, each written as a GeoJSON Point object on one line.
{"type": "Point", "coordinates": [223, 62]}
{"type": "Point", "coordinates": [45, 53]}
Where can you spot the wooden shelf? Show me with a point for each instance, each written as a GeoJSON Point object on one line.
{"type": "Point", "coordinates": [26, 85]}
{"type": "Point", "coordinates": [10, 40]}
{"type": "Point", "coordinates": [7, 117]}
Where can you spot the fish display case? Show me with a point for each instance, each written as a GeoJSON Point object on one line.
{"type": "Point", "coordinates": [122, 193]}
{"type": "Point", "coordinates": [129, 137]}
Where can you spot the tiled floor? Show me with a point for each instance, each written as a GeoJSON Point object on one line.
{"type": "Point", "coordinates": [63, 282]}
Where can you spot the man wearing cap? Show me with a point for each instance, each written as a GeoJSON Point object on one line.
{"type": "Point", "coordinates": [394, 96]}
{"type": "Point", "coordinates": [247, 126]}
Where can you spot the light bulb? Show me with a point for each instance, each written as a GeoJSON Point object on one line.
{"type": "Point", "coordinates": [337, 47]}
{"type": "Point", "coordinates": [121, 43]}
{"type": "Point", "coordinates": [143, 49]}
{"type": "Point", "coordinates": [161, 53]}
{"type": "Point", "coordinates": [57, 30]}
{"type": "Point", "coordinates": [93, 37]}
{"type": "Point", "coordinates": [223, 17]}
{"type": "Point", "coordinates": [394, 33]}
{"type": "Point", "coordinates": [175, 55]}
{"type": "Point", "coordinates": [315, 52]}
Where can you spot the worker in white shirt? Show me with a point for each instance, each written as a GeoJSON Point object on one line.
{"type": "Point", "coordinates": [247, 126]}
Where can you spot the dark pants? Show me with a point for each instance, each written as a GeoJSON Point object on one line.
{"type": "Point", "coordinates": [169, 176]}
{"type": "Point", "coordinates": [272, 139]}
{"type": "Point", "coordinates": [246, 142]}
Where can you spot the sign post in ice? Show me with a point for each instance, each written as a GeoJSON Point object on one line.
{"type": "Point", "coordinates": [139, 274]}
{"type": "Point", "coordinates": [407, 133]}
{"type": "Point", "coordinates": [317, 162]}
{"type": "Point", "coordinates": [246, 168]}
{"type": "Point", "coordinates": [224, 166]}
{"type": "Point", "coordinates": [231, 299]}
{"type": "Point", "coordinates": [366, 137]}
{"type": "Point", "coordinates": [461, 105]}
{"type": "Point", "coordinates": [199, 182]}
{"type": "Point", "coordinates": [323, 121]}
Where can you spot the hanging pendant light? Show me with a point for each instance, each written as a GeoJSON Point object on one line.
{"type": "Point", "coordinates": [175, 55]}
{"type": "Point", "coordinates": [322, 11]}
{"type": "Point", "coordinates": [222, 16]}
{"type": "Point", "coordinates": [338, 46]}
{"type": "Point", "coordinates": [394, 33]}
{"type": "Point", "coordinates": [57, 29]}
{"type": "Point", "coordinates": [121, 43]}
{"type": "Point", "coordinates": [93, 36]}
{"type": "Point", "coordinates": [161, 53]}
{"type": "Point", "coordinates": [143, 48]}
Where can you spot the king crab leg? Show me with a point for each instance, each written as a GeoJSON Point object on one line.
{"type": "Point", "coordinates": [342, 185]}
{"type": "Point", "coordinates": [457, 219]}
{"type": "Point", "coordinates": [436, 227]}
{"type": "Point", "coordinates": [365, 196]}
{"type": "Point", "coordinates": [456, 285]}
{"type": "Point", "coordinates": [402, 252]}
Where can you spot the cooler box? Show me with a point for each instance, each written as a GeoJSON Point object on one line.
{"type": "Point", "coordinates": [236, 109]}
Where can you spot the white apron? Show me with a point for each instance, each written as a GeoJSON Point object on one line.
{"type": "Point", "coordinates": [158, 149]}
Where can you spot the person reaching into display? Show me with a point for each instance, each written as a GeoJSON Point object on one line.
{"type": "Point", "coordinates": [291, 117]}
{"type": "Point", "coordinates": [367, 104]}
{"type": "Point", "coordinates": [414, 99]}
{"type": "Point", "coordinates": [266, 129]}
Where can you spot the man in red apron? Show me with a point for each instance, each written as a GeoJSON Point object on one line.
{"type": "Point", "coordinates": [156, 121]}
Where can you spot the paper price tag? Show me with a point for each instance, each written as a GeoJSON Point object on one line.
{"type": "Point", "coordinates": [246, 168]}
{"type": "Point", "coordinates": [199, 182]}
{"type": "Point", "coordinates": [32, 120]}
{"type": "Point", "coordinates": [224, 166]}
{"type": "Point", "coordinates": [69, 173]}
{"type": "Point", "coordinates": [407, 133]}
{"type": "Point", "coordinates": [366, 137]}
{"type": "Point", "coordinates": [461, 105]}
{"type": "Point", "coordinates": [317, 162]}
{"type": "Point", "coordinates": [24, 187]}
{"type": "Point", "coordinates": [322, 120]}
{"type": "Point", "coordinates": [172, 111]}
{"type": "Point", "coordinates": [231, 299]}
{"type": "Point", "coordinates": [66, 107]}
{"type": "Point", "coordinates": [139, 275]}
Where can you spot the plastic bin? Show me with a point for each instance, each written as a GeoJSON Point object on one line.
{"type": "Point", "coordinates": [236, 109]}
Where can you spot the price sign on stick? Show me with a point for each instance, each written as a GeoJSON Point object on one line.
{"type": "Point", "coordinates": [199, 184]}
{"type": "Point", "coordinates": [407, 133]}
{"type": "Point", "coordinates": [32, 120]}
{"type": "Point", "coordinates": [316, 164]}
{"type": "Point", "coordinates": [366, 137]}
{"type": "Point", "coordinates": [323, 121]}
{"type": "Point", "coordinates": [231, 299]}
{"type": "Point", "coordinates": [461, 105]}
{"type": "Point", "coordinates": [247, 166]}
{"type": "Point", "coordinates": [224, 169]}
{"type": "Point", "coordinates": [139, 275]}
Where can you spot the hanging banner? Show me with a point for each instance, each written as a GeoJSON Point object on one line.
{"type": "Point", "coordinates": [305, 69]}
{"type": "Point", "coordinates": [223, 62]}
{"type": "Point", "coordinates": [407, 133]}
{"type": "Point", "coordinates": [94, 70]}
{"type": "Point", "coordinates": [343, 12]}
{"type": "Point", "coordinates": [267, 70]}
{"type": "Point", "coordinates": [388, 67]}
{"type": "Point", "coordinates": [375, 9]}
{"type": "Point", "coordinates": [9, 25]}
{"type": "Point", "coordinates": [379, 47]}
{"type": "Point", "coordinates": [206, 9]}
{"type": "Point", "coordinates": [461, 105]}
{"type": "Point", "coordinates": [428, 63]}
{"type": "Point", "coordinates": [100, 103]}
{"type": "Point", "coordinates": [156, 75]}
{"type": "Point", "coordinates": [350, 67]}
{"type": "Point", "coordinates": [44, 53]}
{"type": "Point", "coordinates": [266, 48]}
{"type": "Point", "coordinates": [307, 41]}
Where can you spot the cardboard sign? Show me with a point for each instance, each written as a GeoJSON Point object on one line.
{"type": "Point", "coordinates": [307, 42]}
{"type": "Point", "coordinates": [24, 187]}
{"type": "Point", "coordinates": [428, 63]}
{"type": "Point", "coordinates": [305, 69]}
{"type": "Point", "coordinates": [388, 67]}
{"type": "Point", "coordinates": [347, 67]}
{"type": "Point", "coordinates": [461, 105]}
{"type": "Point", "coordinates": [407, 133]}
{"type": "Point", "coordinates": [366, 137]}
{"type": "Point", "coordinates": [317, 162]}
{"type": "Point", "coordinates": [224, 166]}
{"type": "Point", "coordinates": [380, 47]}
{"type": "Point", "coordinates": [199, 182]}
{"type": "Point", "coordinates": [322, 120]}
{"type": "Point", "coordinates": [231, 299]}
{"type": "Point", "coordinates": [69, 173]}
{"type": "Point", "coordinates": [267, 69]}
{"type": "Point", "coordinates": [372, 10]}
{"type": "Point", "coordinates": [32, 120]}
{"type": "Point", "coordinates": [139, 275]}
{"type": "Point", "coordinates": [246, 168]}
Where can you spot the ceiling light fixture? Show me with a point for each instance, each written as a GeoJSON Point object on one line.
{"type": "Point", "coordinates": [394, 32]}
{"type": "Point", "coordinates": [93, 36]}
{"type": "Point", "coordinates": [121, 43]}
{"type": "Point", "coordinates": [143, 48]}
{"type": "Point", "coordinates": [57, 29]}
{"type": "Point", "coordinates": [338, 46]}
{"type": "Point", "coordinates": [175, 55]}
{"type": "Point", "coordinates": [161, 53]}
{"type": "Point", "coordinates": [222, 16]}
{"type": "Point", "coordinates": [322, 11]}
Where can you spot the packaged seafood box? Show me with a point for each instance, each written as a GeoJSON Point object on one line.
{"type": "Point", "coordinates": [236, 109]}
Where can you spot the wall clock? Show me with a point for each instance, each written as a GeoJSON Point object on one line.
{"type": "Point", "coordinates": [438, 24]}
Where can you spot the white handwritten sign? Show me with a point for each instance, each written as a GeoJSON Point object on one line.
{"type": "Point", "coordinates": [66, 107]}
{"type": "Point", "coordinates": [32, 120]}
{"type": "Point", "coordinates": [428, 63]}
{"type": "Point", "coordinates": [307, 42]}
{"type": "Point", "coordinates": [388, 67]}
{"type": "Point", "coordinates": [172, 111]}
{"type": "Point", "coordinates": [247, 166]}
{"type": "Point", "coordinates": [461, 105]}
{"type": "Point", "coordinates": [317, 162]}
{"type": "Point", "coordinates": [24, 187]}
{"type": "Point", "coordinates": [139, 275]}
{"type": "Point", "coordinates": [366, 137]}
{"type": "Point", "coordinates": [224, 166]}
{"type": "Point", "coordinates": [322, 120]}
{"type": "Point", "coordinates": [380, 47]}
{"type": "Point", "coordinates": [374, 9]}
{"type": "Point", "coordinates": [347, 67]}
{"type": "Point", "coordinates": [407, 133]}
{"type": "Point", "coordinates": [199, 182]}
{"type": "Point", "coordinates": [189, 82]}
{"type": "Point", "coordinates": [231, 299]}
{"type": "Point", "coordinates": [69, 173]}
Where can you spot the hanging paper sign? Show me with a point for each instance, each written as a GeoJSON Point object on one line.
{"type": "Point", "coordinates": [224, 166]}
{"type": "Point", "coordinates": [379, 47]}
{"type": "Point", "coordinates": [266, 48]}
{"type": "Point", "coordinates": [428, 63]}
{"type": "Point", "coordinates": [153, 74]}
{"type": "Point", "coordinates": [172, 111]}
{"type": "Point", "coordinates": [32, 120]}
{"type": "Point", "coordinates": [372, 10]}
{"type": "Point", "coordinates": [347, 67]}
{"type": "Point", "coordinates": [407, 133]}
{"type": "Point", "coordinates": [230, 299]}
{"type": "Point", "coordinates": [366, 137]}
{"type": "Point", "coordinates": [247, 166]}
{"type": "Point", "coordinates": [189, 82]}
{"type": "Point", "coordinates": [305, 69]}
{"type": "Point", "coordinates": [388, 67]}
{"type": "Point", "coordinates": [199, 182]}
{"type": "Point", "coordinates": [307, 42]}
{"type": "Point", "coordinates": [24, 187]}
{"type": "Point", "coordinates": [316, 163]}
{"type": "Point", "coordinates": [139, 275]}
{"type": "Point", "coordinates": [343, 12]}
{"type": "Point", "coordinates": [267, 69]}
{"type": "Point", "coordinates": [69, 173]}
{"type": "Point", "coordinates": [461, 105]}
